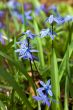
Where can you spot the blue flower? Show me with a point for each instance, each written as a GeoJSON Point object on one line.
{"type": "Point", "coordinates": [40, 8]}
{"type": "Point", "coordinates": [27, 6]}
{"type": "Point", "coordinates": [44, 92]}
{"type": "Point", "coordinates": [27, 14]}
{"type": "Point", "coordinates": [1, 39]}
{"type": "Point", "coordinates": [50, 19]}
{"type": "Point", "coordinates": [46, 87]}
{"type": "Point", "coordinates": [52, 7]}
{"type": "Point", "coordinates": [29, 34]}
{"type": "Point", "coordinates": [22, 43]}
{"type": "Point", "coordinates": [59, 19]}
{"type": "Point", "coordinates": [13, 4]}
{"type": "Point", "coordinates": [25, 52]}
{"type": "Point", "coordinates": [68, 18]}
{"type": "Point", "coordinates": [1, 25]}
{"type": "Point", "coordinates": [1, 13]}
{"type": "Point", "coordinates": [21, 17]}
{"type": "Point", "coordinates": [42, 97]}
{"type": "Point", "coordinates": [47, 32]}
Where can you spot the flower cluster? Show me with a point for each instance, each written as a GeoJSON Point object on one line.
{"type": "Point", "coordinates": [13, 4]}
{"type": "Point", "coordinates": [47, 32]}
{"type": "Point", "coordinates": [25, 51]}
{"type": "Point", "coordinates": [44, 92]}
{"type": "Point", "coordinates": [20, 16]}
{"type": "Point", "coordinates": [59, 19]}
{"type": "Point", "coordinates": [54, 19]}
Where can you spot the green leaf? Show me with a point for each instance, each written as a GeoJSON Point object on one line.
{"type": "Point", "coordinates": [62, 67]}
{"type": "Point", "coordinates": [39, 46]}
{"type": "Point", "coordinates": [55, 80]}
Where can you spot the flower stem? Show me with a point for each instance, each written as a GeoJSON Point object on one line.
{"type": "Point", "coordinates": [52, 33]}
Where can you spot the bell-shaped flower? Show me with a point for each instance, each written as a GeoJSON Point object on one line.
{"type": "Point", "coordinates": [42, 97]}
{"type": "Point", "coordinates": [13, 4]}
{"type": "Point", "coordinates": [59, 19]}
{"type": "Point", "coordinates": [47, 32]}
{"type": "Point", "coordinates": [2, 39]}
{"type": "Point", "coordinates": [29, 34]}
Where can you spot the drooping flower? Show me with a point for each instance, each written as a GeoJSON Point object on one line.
{"type": "Point", "coordinates": [1, 13]}
{"type": "Point", "coordinates": [54, 9]}
{"type": "Point", "coordinates": [44, 92]}
{"type": "Point", "coordinates": [50, 19]}
{"type": "Point", "coordinates": [21, 17]}
{"type": "Point", "coordinates": [27, 14]}
{"type": "Point", "coordinates": [27, 6]}
{"type": "Point", "coordinates": [2, 39]}
{"type": "Point", "coordinates": [47, 32]}
{"type": "Point", "coordinates": [29, 34]}
{"type": "Point", "coordinates": [1, 25]}
{"type": "Point", "coordinates": [59, 19]}
{"type": "Point", "coordinates": [40, 8]}
{"type": "Point", "coordinates": [42, 97]}
{"type": "Point", "coordinates": [13, 4]}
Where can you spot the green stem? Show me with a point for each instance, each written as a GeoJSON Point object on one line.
{"type": "Point", "coordinates": [67, 81]}
{"type": "Point", "coordinates": [66, 94]}
{"type": "Point", "coordinates": [12, 100]}
{"type": "Point", "coordinates": [55, 81]}
{"type": "Point", "coordinates": [31, 67]}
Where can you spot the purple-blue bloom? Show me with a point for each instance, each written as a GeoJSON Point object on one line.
{"type": "Point", "coordinates": [27, 6]}
{"type": "Point", "coordinates": [28, 15]}
{"type": "Point", "coordinates": [25, 52]}
{"type": "Point", "coordinates": [46, 87]}
{"type": "Point", "coordinates": [1, 39]}
{"type": "Point", "coordinates": [1, 25]}
{"type": "Point", "coordinates": [59, 19]}
{"type": "Point", "coordinates": [47, 32]}
{"type": "Point", "coordinates": [29, 34]}
{"type": "Point", "coordinates": [40, 8]}
{"type": "Point", "coordinates": [50, 19]}
{"type": "Point", "coordinates": [42, 97]}
{"type": "Point", "coordinates": [13, 4]}
{"type": "Point", "coordinates": [54, 9]}
{"type": "Point", "coordinates": [1, 13]}
{"type": "Point", "coordinates": [21, 17]}
{"type": "Point", "coordinates": [44, 92]}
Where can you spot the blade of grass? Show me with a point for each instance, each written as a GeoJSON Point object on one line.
{"type": "Point", "coordinates": [66, 94]}
{"type": "Point", "coordinates": [39, 46]}
{"type": "Point", "coordinates": [2, 106]}
{"type": "Point", "coordinates": [11, 81]}
{"type": "Point", "coordinates": [19, 67]}
{"type": "Point", "coordinates": [63, 63]}
{"type": "Point", "coordinates": [55, 81]}
{"type": "Point", "coordinates": [67, 81]}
